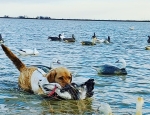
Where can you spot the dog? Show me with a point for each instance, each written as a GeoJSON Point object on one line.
{"type": "Point", "coordinates": [30, 76]}
{"type": "Point", "coordinates": [72, 91]}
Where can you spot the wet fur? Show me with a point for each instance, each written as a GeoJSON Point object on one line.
{"type": "Point", "coordinates": [59, 75]}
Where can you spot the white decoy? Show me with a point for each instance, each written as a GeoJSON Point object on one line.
{"type": "Point", "coordinates": [139, 104]}
{"type": "Point", "coordinates": [105, 109]}
{"type": "Point", "coordinates": [62, 36]}
{"type": "Point", "coordinates": [46, 69]}
{"type": "Point", "coordinates": [27, 51]}
{"type": "Point", "coordinates": [112, 70]}
{"type": "Point", "coordinates": [71, 91]}
{"type": "Point", "coordinates": [147, 47]}
{"type": "Point", "coordinates": [107, 41]}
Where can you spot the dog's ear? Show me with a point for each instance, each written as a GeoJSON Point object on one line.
{"type": "Point", "coordinates": [51, 76]}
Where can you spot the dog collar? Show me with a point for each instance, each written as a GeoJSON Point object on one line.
{"type": "Point", "coordinates": [52, 92]}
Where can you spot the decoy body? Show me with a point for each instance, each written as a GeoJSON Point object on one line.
{"type": "Point", "coordinates": [148, 41]}
{"type": "Point", "coordinates": [112, 70]}
{"type": "Point", "coordinates": [27, 51]}
{"type": "Point", "coordinates": [46, 69]}
{"type": "Point", "coordinates": [72, 91]}
{"type": "Point", "coordinates": [93, 42]}
{"type": "Point", "coordinates": [105, 108]}
{"type": "Point", "coordinates": [107, 40]}
{"type": "Point", "coordinates": [1, 39]}
{"type": "Point", "coordinates": [147, 47]}
{"type": "Point", "coordinates": [72, 39]}
{"type": "Point", "coordinates": [55, 38]}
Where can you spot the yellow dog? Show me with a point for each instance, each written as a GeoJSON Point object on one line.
{"type": "Point", "coordinates": [30, 76]}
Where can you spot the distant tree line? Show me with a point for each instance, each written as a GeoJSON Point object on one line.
{"type": "Point", "coordinates": [26, 17]}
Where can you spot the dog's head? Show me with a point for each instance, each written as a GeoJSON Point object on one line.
{"type": "Point", "coordinates": [60, 75]}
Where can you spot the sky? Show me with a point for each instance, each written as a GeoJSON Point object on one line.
{"type": "Point", "coordinates": [78, 9]}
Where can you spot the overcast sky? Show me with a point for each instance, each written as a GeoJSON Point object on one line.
{"type": "Point", "coordinates": [78, 9]}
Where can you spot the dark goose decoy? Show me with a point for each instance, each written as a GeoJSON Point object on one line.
{"type": "Point", "coordinates": [1, 39]}
{"type": "Point", "coordinates": [72, 91]}
{"type": "Point", "coordinates": [55, 38]}
{"type": "Point", "coordinates": [112, 70]}
{"type": "Point", "coordinates": [148, 41]}
{"type": "Point", "coordinates": [72, 39]}
{"type": "Point", "coordinates": [93, 42]}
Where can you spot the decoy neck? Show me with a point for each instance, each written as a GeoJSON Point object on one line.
{"type": "Point", "coordinates": [1, 39]}
{"type": "Point", "coordinates": [123, 63]}
{"type": "Point", "coordinates": [139, 104]}
{"type": "Point", "coordinates": [54, 60]}
{"type": "Point", "coordinates": [109, 39]}
{"type": "Point", "coordinates": [148, 39]}
{"type": "Point", "coordinates": [35, 51]}
{"type": "Point", "coordinates": [0, 36]}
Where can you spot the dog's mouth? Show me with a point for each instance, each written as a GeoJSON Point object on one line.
{"type": "Point", "coordinates": [72, 90]}
{"type": "Point", "coordinates": [52, 91]}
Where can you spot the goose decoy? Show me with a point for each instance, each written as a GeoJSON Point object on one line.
{"type": "Point", "coordinates": [147, 47]}
{"type": "Point", "coordinates": [139, 104]}
{"type": "Point", "coordinates": [72, 39]}
{"type": "Point", "coordinates": [1, 39]}
{"type": "Point", "coordinates": [107, 40]}
{"type": "Point", "coordinates": [55, 38]}
{"type": "Point", "coordinates": [148, 41]}
{"type": "Point", "coordinates": [71, 91]}
{"type": "Point", "coordinates": [27, 51]}
{"type": "Point", "coordinates": [112, 70]}
{"type": "Point", "coordinates": [46, 69]}
{"type": "Point", "coordinates": [93, 42]}
{"type": "Point", "coordinates": [106, 109]}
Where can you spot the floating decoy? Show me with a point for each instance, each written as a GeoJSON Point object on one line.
{"type": "Point", "coordinates": [148, 41]}
{"type": "Point", "coordinates": [112, 70]}
{"type": "Point", "coordinates": [93, 42]}
{"type": "Point", "coordinates": [72, 91]}
{"type": "Point", "coordinates": [107, 40]}
{"type": "Point", "coordinates": [55, 38]}
{"type": "Point", "coordinates": [131, 28]}
{"type": "Point", "coordinates": [46, 69]}
{"type": "Point", "coordinates": [105, 108]}
{"type": "Point", "coordinates": [139, 104]}
{"type": "Point", "coordinates": [1, 39]}
{"type": "Point", "coordinates": [147, 47]}
{"type": "Point", "coordinates": [72, 39]}
{"type": "Point", "coordinates": [103, 40]}
{"type": "Point", "coordinates": [27, 51]}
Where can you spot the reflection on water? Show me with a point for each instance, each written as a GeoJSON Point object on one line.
{"type": "Point", "coordinates": [120, 92]}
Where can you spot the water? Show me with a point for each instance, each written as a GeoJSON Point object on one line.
{"type": "Point", "coordinates": [120, 92]}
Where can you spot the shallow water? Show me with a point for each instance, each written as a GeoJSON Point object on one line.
{"type": "Point", "coordinates": [120, 92]}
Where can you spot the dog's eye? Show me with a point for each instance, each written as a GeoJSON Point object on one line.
{"type": "Point", "coordinates": [61, 78]}
{"type": "Point", "coordinates": [69, 77]}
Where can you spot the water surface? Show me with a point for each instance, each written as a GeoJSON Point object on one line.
{"type": "Point", "coordinates": [120, 92]}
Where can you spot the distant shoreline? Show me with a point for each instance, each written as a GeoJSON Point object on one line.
{"type": "Point", "coordinates": [76, 19]}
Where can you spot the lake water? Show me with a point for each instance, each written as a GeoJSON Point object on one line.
{"type": "Point", "coordinates": [120, 92]}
